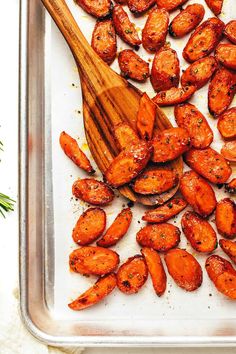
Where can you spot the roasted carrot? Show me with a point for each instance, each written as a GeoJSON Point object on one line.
{"type": "Point", "coordinates": [215, 6]}
{"type": "Point", "coordinates": [222, 274]}
{"type": "Point", "coordinates": [230, 31]}
{"type": "Point", "coordinates": [146, 117]}
{"type": "Point", "coordinates": [187, 20]}
{"type": "Point", "coordinates": [226, 55]}
{"type": "Point", "coordinates": [199, 232]}
{"type": "Point", "coordinates": [140, 6]}
{"type": "Point", "coordinates": [169, 144]}
{"type": "Point", "coordinates": [95, 294]}
{"type": "Point", "coordinates": [198, 193]}
{"type": "Point", "coordinates": [93, 260]}
{"type": "Point", "coordinates": [209, 164]}
{"type": "Point", "coordinates": [165, 211]}
{"type": "Point", "coordinates": [226, 218]}
{"type": "Point", "coordinates": [72, 150]}
{"type": "Point", "coordinates": [89, 226]}
{"type": "Point", "coordinates": [165, 69]}
{"type": "Point", "coordinates": [227, 124]}
{"type": "Point", "coordinates": [203, 40]}
{"type": "Point", "coordinates": [104, 40]}
{"type": "Point", "coordinates": [160, 237]}
{"type": "Point", "coordinates": [132, 275]}
{"type": "Point", "coordinates": [156, 270]}
{"type": "Point", "coordinates": [173, 96]}
{"type": "Point", "coordinates": [231, 186]}
{"type": "Point", "coordinates": [229, 247]}
{"type": "Point", "coordinates": [155, 180]}
{"type": "Point", "coordinates": [92, 191]}
{"type": "Point", "coordinates": [124, 27]}
{"type": "Point", "coordinates": [98, 9]}
{"type": "Point", "coordinates": [128, 164]}
{"type": "Point", "coordinates": [117, 230]}
{"type": "Point", "coordinates": [155, 30]}
{"type": "Point", "coordinates": [229, 151]}
{"type": "Point", "coordinates": [132, 66]}
{"type": "Point", "coordinates": [125, 135]}
{"type": "Point", "coordinates": [199, 72]}
{"type": "Point", "coordinates": [170, 5]}
{"type": "Point", "coordinates": [184, 269]}
{"type": "Point", "coordinates": [187, 116]}
{"type": "Point", "coordinates": [221, 91]}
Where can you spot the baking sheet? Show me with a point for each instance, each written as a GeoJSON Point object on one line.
{"type": "Point", "coordinates": [141, 318]}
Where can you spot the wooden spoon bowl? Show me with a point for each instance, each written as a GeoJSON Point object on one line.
{"type": "Point", "coordinates": [108, 99]}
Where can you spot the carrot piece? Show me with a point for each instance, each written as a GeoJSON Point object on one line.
{"type": "Point", "coordinates": [229, 151]}
{"type": "Point", "coordinates": [146, 117]}
{"type": "Point", "coordinates": [215, 6]}
{"type": "Point", "coordinates": [92, 191]}
{"type": "Point", "coordinates": [173, 96]}
{"type": "Point", "coordinates": [95, 294]}
{"type": "Point", "coordinates": [155, 30]}
{"type": "Point", "coordinates": [227, 124]}
{"type": "Point", "coordinates": [208, 163]}
{"type": "Point", "coordinates": [186, 20]}
{"type": "Point", "coordinates": [226, 218]}
{"type": "Point", "coordinates": [93, 260]}
{"type": "Point", "coordinates": [226, 55]}
{"type": "Point", "coordinates": [187, 116]}
{"type": "Point", "coordinates": [104, 40]}
{"type": "Point", "coordinates": [170, 5]}
{"type": "Point", "coordinates": [203, 40]}
{"type": "Point", "coordinates": [139, 6]}
{"type": "Point", "coordinates": [231, 186]}
{"type": "Point", "coordinates": [165, 211]}
{"type": "Point", "coordinates": [230, 31]}
{"type": "Point", "coordinates": [72, 150]}
{"type": "Point", "coordinates": [160, 237]}
{"type": "Point", "coordinates": [226, 284]}
{"type": "Point", "coordinates": [98, 9]}
{"type": "Point", "coordinates": [132, 275]}
{"type": "Point", "coordinates": [125, 135]}
{"type": "Point", "coordinates": [117, 230]}
{"type": "Point", "coordinates": [199, 72]}
{"type": "Point", "coordinates": [89, 226]}
{"type": "Point", "coordinates": [199, 232]}
{"type": "Point", "coordinates": [229, 247]}
{"type": "Point", "coordinates": [170, 144]}
{"type": "Point", "coordinates": [156, 269]}
{"type": "Point", "coordinates": [155, 180]}
{"type": "Point", "coordinates": [132, 66]}
{"type": "Point", "coordinates": [198, 193]}
{"type": "Point", "coordinates": [128, 164]}
{"type": "Point", "coordinates": [184, 269]}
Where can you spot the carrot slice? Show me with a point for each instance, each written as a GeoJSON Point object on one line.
{"type": "Point", "coordinates": [215, 6]}
{"type": "Point", "coordinates": [227, 124]}
{"type": "Point", "coordinates": [175, 95]}
{"type": "Point", "coordinates": [146, 117]}
{"type": "Point", "coordinates": [128, 164]}
{"type": "Point", "coordinates": [170, 5]}
{"type": "Point", "coordinates": [231, 186]}
{"type": "Point", "coordinates": [98, 9]}
{"type": "Point", "coordinates": [199, 232]}
{"type": "Point", "coordinates": [160, 237]}
{"type": "Point", "coordinates": [132, 66]}
{"type": "Point", "coordinates": [117, 230]}
{"type": "Point", "coordinates": [95, 294]}
{"type": "Point", "coordinates": [89, 226]}
{"type": "Point", "coordinates": [230, 31]}
{"type": "Point", "coordinates": [156, 269]}
{"type": "Point", "coordinates": [155, 180]}
{"type": "Point", "coordinates": [165, 211]}
{"type": "Point", "coordinates": [226, 55]}
{"type": "Point", "coordinates": [72, 150]}
{"type": "Point", "coordinates": [226, 218]}
{"type": "Point", "coordinates": [92, 191]}
{"type": "Point", "coordinates": [226, 284]}
{"type": "Point", "coordinates": [229, 247]}
{"type": "Point", "coordinates": [93, 260]}
{"type": "Point", "coordinates": [229, 151]}
{"type": "Point", "coordinates": [125, 135]}
{"type": "Point", "coordinates": [184, 269]}
{"type": "Point", "coordinates": [140, 6]}
{"type": "Point", "coordinates": [132, 275]}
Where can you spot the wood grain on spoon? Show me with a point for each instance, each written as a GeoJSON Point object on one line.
{"type": "Point", "coordinates": [108, 99]}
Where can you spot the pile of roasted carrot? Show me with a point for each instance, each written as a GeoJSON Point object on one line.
{"type": "Point", "coordinates": [144, 152]}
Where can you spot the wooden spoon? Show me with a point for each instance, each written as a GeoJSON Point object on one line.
{"type": "Point", "coordinates": [108, 99]}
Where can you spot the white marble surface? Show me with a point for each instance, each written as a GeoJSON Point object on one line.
{"type": "Point", "coordinates": [13, 338]}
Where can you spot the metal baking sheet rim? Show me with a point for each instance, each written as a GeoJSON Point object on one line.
{"type": "Point", "coordinates": [33, 328]}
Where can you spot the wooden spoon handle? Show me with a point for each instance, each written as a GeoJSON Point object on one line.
{"type": "Point", "coordinates": [82, 51]}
